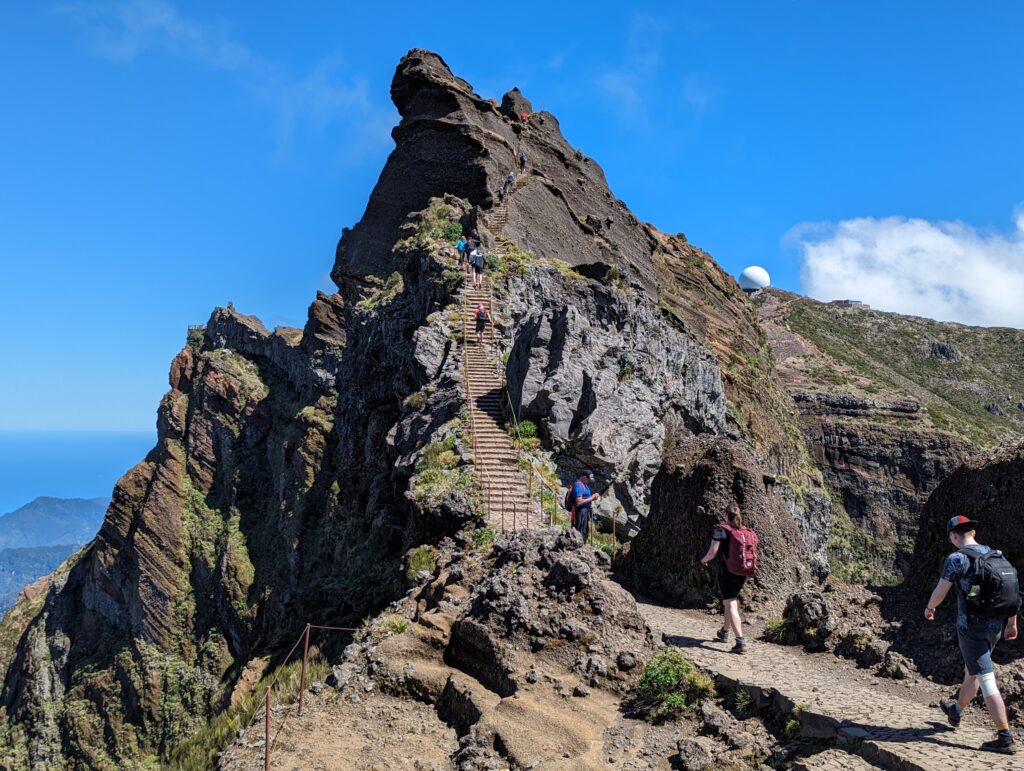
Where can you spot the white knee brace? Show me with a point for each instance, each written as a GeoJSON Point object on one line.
{"type": "Point", "coordinates": [987, 681]}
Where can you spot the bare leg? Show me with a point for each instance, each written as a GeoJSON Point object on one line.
{"type": "Point", "coordinates": [968, 690]}
{"type": "Point", "coordinates": [996, 709]}
{"type": "Point", "coordinates": [732, 617]}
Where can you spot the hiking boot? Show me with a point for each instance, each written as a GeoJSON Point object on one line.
{"type": "Point", "coordinates": [1003, 744]}
{"type": "Point", "coordinates": [740, 646]}
{"type": "Point", "coordinates": [722, 635]}
{"type": "Point", "coordinates": [952, 710]}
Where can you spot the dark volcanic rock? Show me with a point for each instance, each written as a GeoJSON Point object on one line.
{"type": "Point", "coordinates": [988, 488]}
{"type": "Point", "coordinates": [664, 559]}
{"type": "Point", "coordinates": [453, 141]}
{"type": "Point", "coordinates": [607, 380]}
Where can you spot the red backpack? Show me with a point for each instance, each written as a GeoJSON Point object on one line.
{"type": "Point", "coordinates": [742, 557]}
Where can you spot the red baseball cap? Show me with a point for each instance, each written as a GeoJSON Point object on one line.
{"type": "Point", "coordinates": [960, 523]}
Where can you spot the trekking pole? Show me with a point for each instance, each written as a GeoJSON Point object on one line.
{"type": "Point", "coordinates": [302, 677]}
{"type": "Point", "coordinates": [615, 540]}
{"type": "Point", "coordinates": [266, 730]}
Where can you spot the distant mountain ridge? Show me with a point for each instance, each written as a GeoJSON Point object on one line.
{"type": "Point", "coordinates": [52, 521]}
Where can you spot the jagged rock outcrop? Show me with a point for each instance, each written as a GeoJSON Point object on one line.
{"type": "Point", "coordinates": [988, 487]}
{"type": "Point", "coordinates": [663, 561]}
{"type": "Point", "coordinates": [453, 141]}
{"type": "Point", "coordinates": [607, 380]}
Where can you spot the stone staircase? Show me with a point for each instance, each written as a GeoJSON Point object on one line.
{"type": "Point", "coordinates": [503, 483]}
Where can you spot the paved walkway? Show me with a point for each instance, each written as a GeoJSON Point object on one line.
{"type": "Point", "coordinates": [885, 729]}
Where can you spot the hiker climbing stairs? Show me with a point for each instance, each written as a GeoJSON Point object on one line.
{"type": "Point", "coordinates": [503, 484]}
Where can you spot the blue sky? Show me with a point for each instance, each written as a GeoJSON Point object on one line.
{"type": "Point", "coordinates": [161, 158]}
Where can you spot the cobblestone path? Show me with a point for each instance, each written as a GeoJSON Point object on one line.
{"type": "Point", "coordinates": [886, 730]}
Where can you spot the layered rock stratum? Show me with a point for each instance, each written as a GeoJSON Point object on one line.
{"type": "Point", "coordinates": [298, 471]}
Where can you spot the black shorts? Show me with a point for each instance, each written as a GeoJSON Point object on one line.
{"type": "Point", "coordinates": [478, 269]}
{"type": "Point", "coordinates": [729, 585]}
{"type": "Point", "coordinates": [481, 324]}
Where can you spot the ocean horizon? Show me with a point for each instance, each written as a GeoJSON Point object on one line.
{"type": "Point", "coordinates": [66, 464]}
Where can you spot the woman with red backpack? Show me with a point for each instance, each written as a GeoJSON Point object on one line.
{"type": "Point", "coordinates": [735, 546]}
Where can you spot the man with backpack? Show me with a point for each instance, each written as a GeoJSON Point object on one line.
{"type": "Point", "coordinates": [735, 547]}
{"type": "Point", "coordinates": [460, 247]}
{"type": "Point", "coordinates": [580, 502]}
{"type": "Point", "coordinates": [477, 260]}
{"type": "Point", "coordinates": [482, 318]}
{"type": "Point", "coordinates": [522, 161]}
{"type": "Point", "coordinates": [987, 603]}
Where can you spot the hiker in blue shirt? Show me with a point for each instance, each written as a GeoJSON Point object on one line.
{"type": "Point", "coordinates": [976, 634]}
{"type": "Point", "coordinates": [584, 510]}
{"type": "Point", "coordinates": [460, 246]}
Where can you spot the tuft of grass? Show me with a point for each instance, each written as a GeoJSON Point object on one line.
{"type": "Point", "coordinates": [742, 704]}
{"type": "Point", "coordinates": [483, 537]}
{"type": "Point", "coordinates": [419, 559]}
{"type": "Point", "coordinates": [393, 624]}
{"type": "Point", "coordinates": [527, 429]}
{"type": "Point", "coordinates": [779, 631]}
{"type": "Point", "coordinates": [415, 401]}
{"type": "Point", "coordinates": [381, 291]}
{"type": "Point", "coordinates": [794, 722]}
{"type": "Point", "coordinates": [670, 685]}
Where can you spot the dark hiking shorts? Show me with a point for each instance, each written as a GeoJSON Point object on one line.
{"type": "Point", "coordinates": [977, 641]}
{"type": "Point", "coordinates": [729, 585]}
{"type": "Point", "coordinates": [481, 324]}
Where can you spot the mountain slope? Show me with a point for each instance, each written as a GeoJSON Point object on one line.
{"type": "Point", "coordinates": [49, 521]}
{"type": "Point", "coordinates": [19, 567]}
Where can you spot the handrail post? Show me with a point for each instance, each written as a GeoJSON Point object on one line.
{"type": "Point", "coordinates": [514, 507]}
{"type": "Point", "coordinates": [266, 730]}
{"type": "Point", "coordinates": [503, 511]}
{"type": "Point", "coordinates": [302, 677]}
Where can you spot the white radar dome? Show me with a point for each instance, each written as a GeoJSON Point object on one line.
{"type": "Point", "coordinates": [754, 278]}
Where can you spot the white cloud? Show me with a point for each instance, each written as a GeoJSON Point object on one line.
{"type": "Point", "coordinates": [124, 31]}
{"type": "Point", "coordinates": [942, 270]}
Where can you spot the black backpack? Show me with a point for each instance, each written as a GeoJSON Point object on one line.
{"type": "Point", "coordinates": [995, 589]}
{"type": "Point", "coordinates": [569, 504]}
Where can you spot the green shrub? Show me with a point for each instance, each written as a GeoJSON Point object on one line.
{"type": "Point", "coordinates": [670, 684]}
{"type": "Point", "coordinates": [527, 429]}
{"type": "Point", "coordinates": [381, 291]}
{"type": "Point", "coordinates": [779, 631]}
{"type": "Point", "coordinates": [483, 537]}
{"type": "Point", "coordinates": [394, 624]}
{"type": "Point", "coordinates": [742, 704]}
{"type": "Point", "coordinates": [416, 400]}
{"type": "Point", "coordinates": [419, 559]}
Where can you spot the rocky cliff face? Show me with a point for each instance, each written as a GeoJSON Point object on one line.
{"type": "Point", "coordinates": [295, 468]}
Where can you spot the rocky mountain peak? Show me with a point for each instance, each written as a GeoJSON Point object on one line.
{"type": "Point", "coordinates": [453, 141]}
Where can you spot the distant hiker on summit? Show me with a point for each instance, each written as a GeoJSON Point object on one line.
{"type": "Point", "coordinates": [522, 161]}
{"type": "Point", "coordinates": [736, 561]}
{"type": "Point", "coordinates": [987, 603]}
